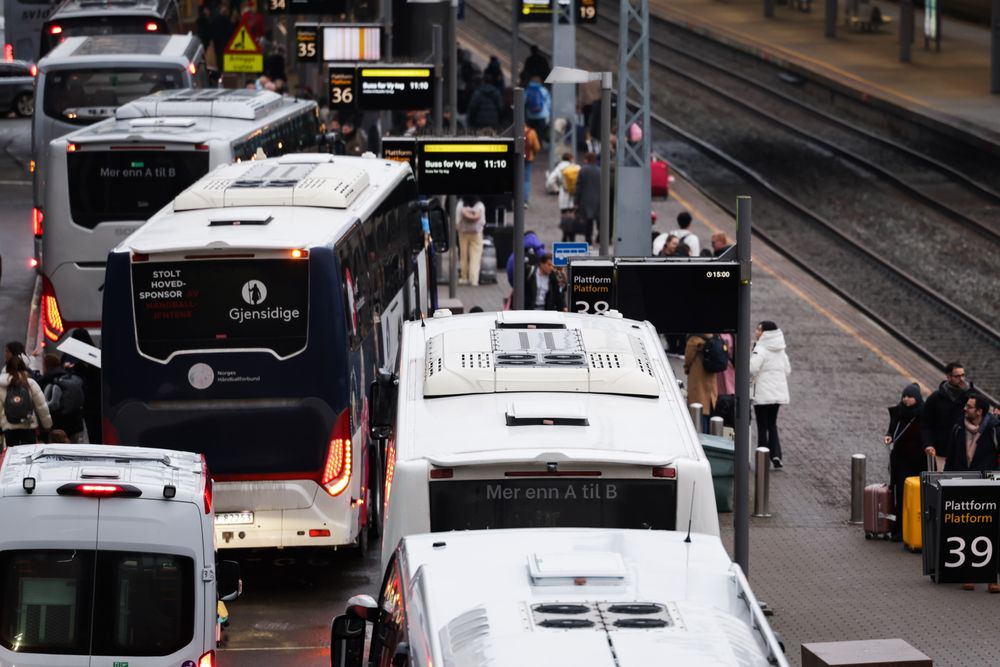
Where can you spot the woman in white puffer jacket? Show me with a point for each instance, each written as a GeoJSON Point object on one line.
{"type": "Point", "coordinates": [769, 369]}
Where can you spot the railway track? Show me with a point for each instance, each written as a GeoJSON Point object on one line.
{"type": "Point", "coordinates": [787, 157]}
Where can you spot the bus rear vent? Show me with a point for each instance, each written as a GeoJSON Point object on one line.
{"type": "Point", "coordinates": [465, 361]}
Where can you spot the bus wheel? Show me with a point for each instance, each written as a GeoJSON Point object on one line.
{"type": "Point", "coordinates": [24, 105]}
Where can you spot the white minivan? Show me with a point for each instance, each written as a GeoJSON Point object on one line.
{"type": "Point", "coordinates": [108, 558]}
{"type": "Point", "coordinates": [558, 596]}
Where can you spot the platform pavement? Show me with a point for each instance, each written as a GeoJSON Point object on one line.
{"type": "Point", "coordinates": [951, 86]}
{"type": "Point", "coordinates": [824, 580]}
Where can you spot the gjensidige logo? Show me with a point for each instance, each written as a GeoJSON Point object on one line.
{"type": "Point", "coordinates": [254, 292]}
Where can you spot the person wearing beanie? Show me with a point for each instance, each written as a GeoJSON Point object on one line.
{"type": "Point", "coordinates": [686, 236]}
{"type": "Point", "coordinates": [906, 458]}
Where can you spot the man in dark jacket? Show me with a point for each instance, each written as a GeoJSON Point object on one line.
{"type": "Point", "coordinates": [588, 196]}
{"type": "Point", "coordinates": [973, 442]}
{"type": "Point", "coordinates": [943, 410]}
{"type": "Point", "coordinates": [485, 106]}
{"type": "Point", "coordinates": [541, 286]}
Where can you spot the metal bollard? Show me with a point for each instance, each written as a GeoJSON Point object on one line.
{"type": "Point", "coordinates": [695, 410]}
{"type": "Point", "coordinates": [762, 477]}
{"type": "Point", "coordinates": [715, 426]}
{"type": "Point", "coordinates": [858, 479]}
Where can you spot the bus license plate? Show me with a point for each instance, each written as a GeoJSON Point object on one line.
{"type": "Point", "coordinates": [233, 518]}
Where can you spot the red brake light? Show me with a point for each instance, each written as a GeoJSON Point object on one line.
{"type": "Point", "coordinates": [319, 532]}
{"type": "Point", "coordinates": [555, 473]}
{"type": "Point", "coordinates": [33, 70]}
{"type": "Point", "coordinates": [99, 490]}
{"type": "Point", "coordinates": [201, 147]}
{"type": "Point", "coordinates": [207, 660]}
{"type": "Point", "coordinates": [152, 27]}
{"type": "Point", "coordinates": [298, 253]}
{"type": "Point", "coordinates": [192, 68]}
{"type": "Point", "coordinates": [55, 30]}
{"type": "Point", "coordinates": [337, 471]}
{"type": "Point", "coordinates": [71, 148]}
{"type": "Point", "coordinates": [207, 494]}
{"type": "Point", "coordinates": [36, 221]}
{"type": "Point", "coordinates": [442, 473]}
{"type": "Point", "coordinates": [665, 472]}
{"type": "Point", "coordinates": [52, 322]}
{"type": "Point", "coordinates": [8, 52]}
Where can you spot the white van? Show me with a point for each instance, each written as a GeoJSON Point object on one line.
{"type": "Point", "coordinates": [84, 79]}
{"type": "Point", "coordinates": [108, 557]}
{"type": "Point", "coordinates": [582, 597]}
{"type": "Point", "coordinates": [525, 419]}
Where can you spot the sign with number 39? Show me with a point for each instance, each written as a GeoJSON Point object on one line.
{"type": "Point", "coordinates": [969, 531]}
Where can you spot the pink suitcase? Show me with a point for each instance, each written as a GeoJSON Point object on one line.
{"type": "Point", "coordinates": [878, 512]}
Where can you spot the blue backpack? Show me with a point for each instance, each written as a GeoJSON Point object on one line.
{"type": "Point", "coordinates": [534, 100]}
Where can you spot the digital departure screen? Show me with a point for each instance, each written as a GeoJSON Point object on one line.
{"type": "Point", "coordinates": [395, 87]}
{"type": "Point", "coordinates": [468, 165]}
{"type": "Point", "coordinates": [220, 304]}
{"type": "Point", "coordinates": [547, 502]}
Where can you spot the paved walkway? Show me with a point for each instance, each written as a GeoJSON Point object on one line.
{"type": "Point", "coordinates": [951, 86]}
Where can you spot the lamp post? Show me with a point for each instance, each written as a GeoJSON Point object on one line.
{"type": "Point", "coordinates": [573, 75]}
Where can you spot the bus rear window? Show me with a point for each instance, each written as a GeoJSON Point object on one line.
{"type": "Point", "coordinates": [221, 304]}
{"type": "Point", "coordinates": [110, 186]}
{"type": "Point", "coordinates": [85, 96]}
{"type": "Point", "coordinates": [547, 502]}
{"type": "Point", "coordinates": [106, 602]}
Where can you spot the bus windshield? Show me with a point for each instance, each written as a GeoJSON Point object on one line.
{"type": "Point", "coordinates": [546, 502]}
{"type": "Point", "coordinates": [217, 304]}
{"type": "Point", "coordinates": [116, 185]}
{"type": "Point", "coordinates": [85, 96]}
{"type": "Point", "coordinates": [57, 30]}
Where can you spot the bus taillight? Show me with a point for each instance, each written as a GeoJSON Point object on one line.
{"type": "Point", "coordinates": [33, 70]}
{"type": "Point", "coordinates": [152, 27]}
{"type": "Point", "coordinates": [8, 52]}
{"type": "Point", "coordinates": [52, 322]}
{"type": "Point", "coordinates": [665, 472]}
{"type": "Point", "coordinates": [207, 659]}
{"type": "Point", "coordinates": [55, 30]}
{"type": "Point", "coordinates": [337, 471]}
{"type": "Point", "coordinates": [36, 222]}
{"type": "Point", "coordinates": [207, 494]}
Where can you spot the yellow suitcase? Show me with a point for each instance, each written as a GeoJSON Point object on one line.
{"type": "Point", "coordinates": [911, 514]}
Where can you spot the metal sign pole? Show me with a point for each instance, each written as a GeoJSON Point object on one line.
{"type": "Point", "coordinates": [453, 69]}
{"type": "Point", "coordinates": [741, 486]}
{"type": "Point", "coordinates": [995, 49]}
{"type": "Point", "coordinates": [438, 67]}
{"type": "Point", "coordinates": [517, 302]}
{"type": "Point", "coordinates": [563, 94]}
{"type": "Point", "coordinates": [515, 38]}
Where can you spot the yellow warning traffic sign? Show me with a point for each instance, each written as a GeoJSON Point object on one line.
{"type": "Point", "coordinates": [242, 54]}
{"type": "Point", "coordinates": [242, 42]}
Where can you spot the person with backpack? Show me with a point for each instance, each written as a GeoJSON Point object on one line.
{"type": "Point", "coordinates": [65, 398]}
{"type": "Point", "coordinates": [701, 383]}
{"type": "Point", "coordinates": [562, 179]}
{"type": "Point", "coordinates": [23, 404]}
{"type": "Point", "coordinates": [538, 108]}
{"type": "Point", "coordinates": [769, 370]}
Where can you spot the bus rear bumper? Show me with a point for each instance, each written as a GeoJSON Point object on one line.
{"type": "Point", "coordinates": [276, 529]}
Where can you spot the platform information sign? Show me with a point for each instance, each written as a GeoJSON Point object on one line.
{"type": "Point", "coordinates": [967, 531]}
{"type": "Point", "coordinates": [535, 11]}
{"type": "Point", "coordinates": [586, 11]}
{"type": "Point", "coordinates": [242, 54]}
{"type": "Point", "coordinates": [400, 149]}
{"type": "Point", "coordinates": [352, 42]}
{"type": "Point", "coordinates": [484, 166]}
{"type": "Point", "coordinates": [676, 296]}
{"type": "Point", "coordinates": [307, 42]}
{"type": "Point", "coordinates": [394, 87]}
{"type": "Point", "coordinates": [341, 81]}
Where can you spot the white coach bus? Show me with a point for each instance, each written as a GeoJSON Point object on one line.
{"type": "Point", "coordinates": [111, 177]}
{"type": "Point", "coordinates": [528, 419]}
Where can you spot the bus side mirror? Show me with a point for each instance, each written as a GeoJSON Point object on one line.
{"type": "Point", "coordinates": [347, 641]}
{"type": "Point", "coordinates": [438, 222]}
{"type": "Point", "coordinates": [385, 390]}
{"type": "Point", "coordinates": [228, 584]}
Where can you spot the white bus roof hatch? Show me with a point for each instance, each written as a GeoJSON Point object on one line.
{"type": "Point", "coordinates": [285, 182]}
{"type": "Point", "coordinates": [507, 359]}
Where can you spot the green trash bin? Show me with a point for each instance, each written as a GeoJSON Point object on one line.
{"type": "Point", "coordinates": [721, 453]}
